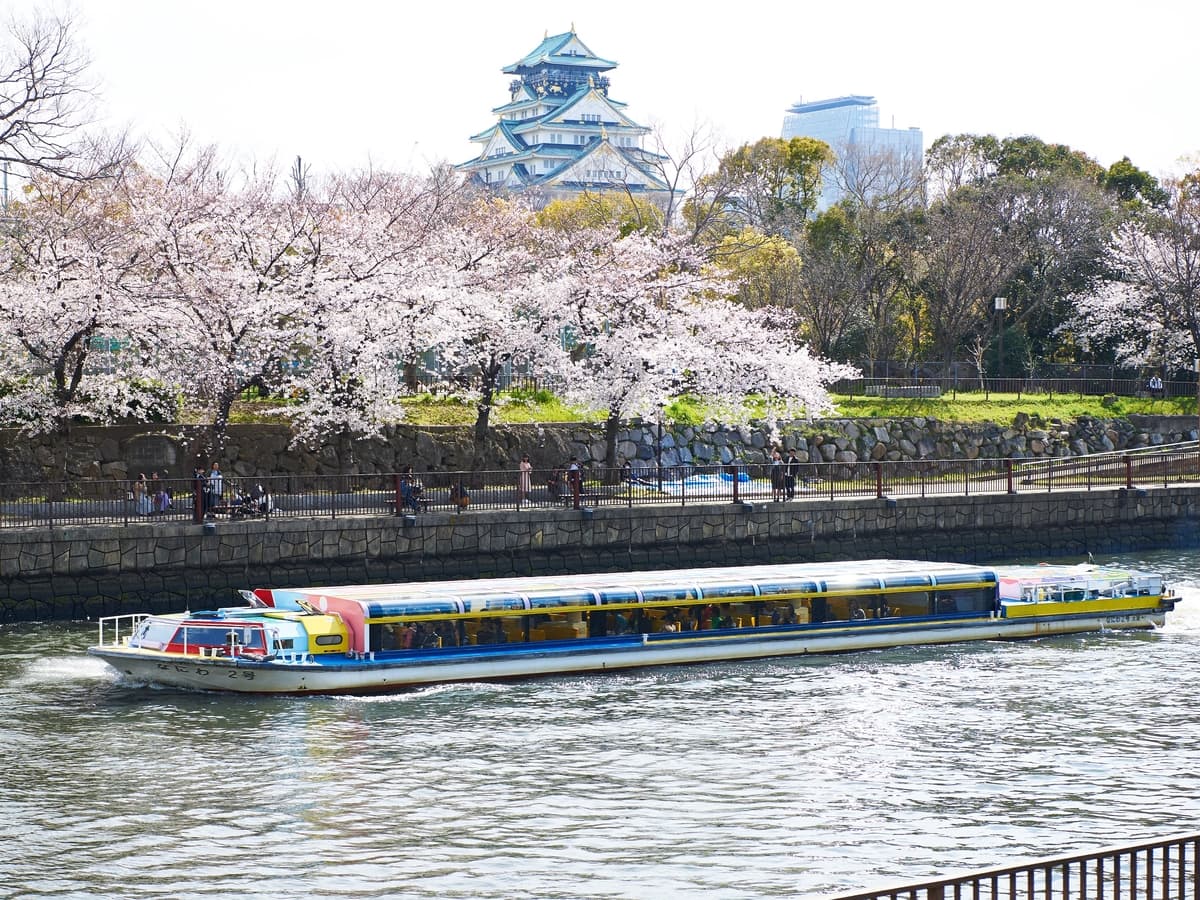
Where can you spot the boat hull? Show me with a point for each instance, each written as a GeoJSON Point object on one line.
{"type": "Point", "coordinates": [337, 674]}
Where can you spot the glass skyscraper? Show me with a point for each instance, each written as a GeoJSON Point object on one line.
{"type": "Point", "coordinates": [850, 126]}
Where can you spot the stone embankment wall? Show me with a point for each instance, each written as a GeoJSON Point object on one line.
{"type": "Point", "coordinates": [260, 450]}
{"type": "Point", "coordinates": [87, 571]}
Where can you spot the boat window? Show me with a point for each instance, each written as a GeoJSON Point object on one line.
{"type": "Point", "coordinates": [668, 594]}
{"type": "Point", "coordinates": [490, 603]}
{"type": "Point", "coordinates": [914, 580]}
{"type": "Point", "coordinates": [850, 583]}
{"type": "Point", "coordinates": [214, 635]}
{"type": "Point", "coordinates": [788, 587]}
{"type": "Point", "coordinates": [965, 601]}
{"type": "Point", "coordinates": [154, 635]}
{"type": "Point", "coordinates": [548, 601]}
{"type": "Point", "coordinates": [945, 579]}
{"type": "Point", "coordinates": [619, 597]}
{"type": "Point", "coordinates": [327, 640]}
{"type": "Point", "coordinates": [384, 608]}
{"type": "Point", "coordinates": [728, 590]}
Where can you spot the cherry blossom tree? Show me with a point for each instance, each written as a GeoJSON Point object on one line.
{"type": "Point", "coordinates": [1149, 313]}
{"type": "Point", "coordinates": [379, 307]}
{"type": "Point", "coordinates": [501, 299]}
{"type": "Point", "coordinates": [233, 260]}
{"type": "Point", "coordinates": [70, 269]}
{"type": "Point", "coordinates": [650, 320]}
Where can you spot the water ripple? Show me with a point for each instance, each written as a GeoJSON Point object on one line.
{"type": "Point", "coordinates": [734, 780]}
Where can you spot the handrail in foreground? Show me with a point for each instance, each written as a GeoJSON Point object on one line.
{"type": "Point", "coordinates": [1163, 869]}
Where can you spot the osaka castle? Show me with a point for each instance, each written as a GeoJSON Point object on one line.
{"type": "Point", "coordinates": [560, 133]}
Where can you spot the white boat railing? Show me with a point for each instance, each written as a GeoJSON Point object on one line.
{"type": "Point", "coordinates": [117, 626]}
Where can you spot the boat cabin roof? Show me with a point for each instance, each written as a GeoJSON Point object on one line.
{"type": "Point", "coordinates": [492, 595]}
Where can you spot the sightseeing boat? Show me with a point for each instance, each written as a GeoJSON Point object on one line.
{"type": "Point", "coordinates": [374, 638]}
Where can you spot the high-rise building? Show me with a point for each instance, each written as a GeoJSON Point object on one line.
{"type": "Point", "coordinates": [850, 126]}
{"type": "Point", "coordinates": [560, 132]}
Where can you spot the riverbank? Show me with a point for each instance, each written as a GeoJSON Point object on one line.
{"type": "Point", "coordinates": [86, 571]}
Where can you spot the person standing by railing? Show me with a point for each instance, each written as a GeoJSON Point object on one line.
{"type": "Point", "coordinates": [199, 493]}
{"type": "Point", "coordinates": [574, 480]}
{"type": "Point", "coordinates": [524, 479]}
{"type": "Point", "coordinates": [216, 487]}
{"type": "Point", "coordinates": [777, 483]}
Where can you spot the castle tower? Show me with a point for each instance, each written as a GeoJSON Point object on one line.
{"type": "Point", "coordinates": [560, 132]}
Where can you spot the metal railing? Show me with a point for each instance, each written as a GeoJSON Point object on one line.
{"type": "Point", "coordinates": [1164, 869]}
{"type": "Point", "coordinates": [34, 504]}
{"type": "Point", "coordinates": [1022, 386]}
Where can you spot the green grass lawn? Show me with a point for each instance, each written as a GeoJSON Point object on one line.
{"type": "Point", "coordinates": [1002, 408]}
{"type": "Point", "coordinates": [530, 407]}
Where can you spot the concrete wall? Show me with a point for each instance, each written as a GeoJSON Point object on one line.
{"type": "Point", "coordinates": [86, 571]}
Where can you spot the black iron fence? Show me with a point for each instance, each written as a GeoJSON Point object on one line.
{"type": "Point", "coordinates": [1048, 387]}
{"type": "Point", "coordinates": [25, 504]}
{"type": "Point", "coordinates": [1165, 869]}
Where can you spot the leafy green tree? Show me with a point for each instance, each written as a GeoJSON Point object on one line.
{"type": "Point", "coordinates": [1134, 186]}
{"type": "Point", "coordinates": [595, 210]}
{"type": "Point", "coordinates": [772, 185]}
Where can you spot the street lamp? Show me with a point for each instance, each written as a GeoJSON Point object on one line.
{"type": "Point", "coordinates": [1001, 305]}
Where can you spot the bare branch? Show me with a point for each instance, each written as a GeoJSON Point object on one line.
{"type": "Point", "coordinates": [46, 101]}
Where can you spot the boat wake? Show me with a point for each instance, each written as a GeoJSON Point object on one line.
{"type": "Point", "coordinates": [1185, 619]}
{"type": "Point", "coordinates": [64, 669]}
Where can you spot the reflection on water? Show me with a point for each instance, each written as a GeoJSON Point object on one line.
{"type": "Point", "coordinates": [758, 779]}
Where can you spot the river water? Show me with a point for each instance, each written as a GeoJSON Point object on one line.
{"type": "Point", "coordinates": [737, 780]}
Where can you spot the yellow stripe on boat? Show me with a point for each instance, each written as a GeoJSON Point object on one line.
{"type": "Point", "coordinates": [1018, 609]}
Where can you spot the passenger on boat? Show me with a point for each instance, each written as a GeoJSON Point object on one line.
{"type": "Point", "coordinates": [446, 635]}
{"type": "Point", "coordinates": [390, 637]}
{"type": "Point", "coordinates": [491, 632]}
{"type": "Point", "coordinates": [620, 623]}
{"type": "Point", "coordinates": [670, 622]}
{"type": "Point", "coordinates": [856, 610]}
{"type": "Point", "coordinates": [783, 615]}
{"type": "Point", "coordinates": [640, 622]}
{"type": "Point", "coordinates": [424, 637]}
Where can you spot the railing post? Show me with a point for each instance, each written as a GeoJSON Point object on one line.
{"type": "Point", "coordinates": [732, 469]}
{"type": "Point", "coordinates": [396, 501]}
{"type": "Point", "coordinates": [1008, 472]}
{"type": "Point", "coordinates": [576, 477]}
{"type": "Point", "coordinates": [197, 502]}
{"type": "Point", "coordinates": [1128, 472]}
{"type": "Point", "coordinates": [878, 480]}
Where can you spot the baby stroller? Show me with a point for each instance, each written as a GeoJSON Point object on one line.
{"type": "Point", "coordinates": [261, 501]}
{"type": "Point", "coordinates": [255, 503]}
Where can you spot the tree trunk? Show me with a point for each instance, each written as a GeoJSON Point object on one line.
{"type": "Point", "coordinates": [612, 429]}
{"type": "Point", "coordinates": [490, 378]}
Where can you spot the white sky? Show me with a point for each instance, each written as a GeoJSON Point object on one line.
{"type": "Point", "coordinates": [406, 84]}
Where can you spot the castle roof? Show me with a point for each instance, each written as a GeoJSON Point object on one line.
{"type": "Point", "coordinates": [560, 50]}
